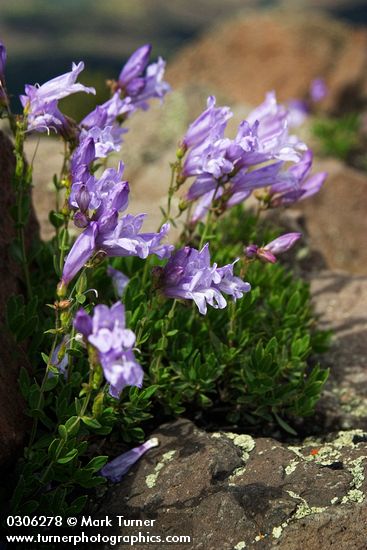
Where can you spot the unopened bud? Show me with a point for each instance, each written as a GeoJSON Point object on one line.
{"type": "Point", "coordinates": [80, 220]}
{"type": "Point", "coordinates": [61, 290]}
{"type": "Point", "coordinates": [83, 198]}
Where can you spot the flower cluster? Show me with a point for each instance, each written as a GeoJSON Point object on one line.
{"type": "Point", "coordinates": [99, 203]}
{"type": "Point", "coordinates": [107, 333]}
{"type": "Point", "coordinates": [188, 275]}
{"type": "Point", "coordinates": [40, 103]}
{"type": "Point", "coordinates": [258, 157]}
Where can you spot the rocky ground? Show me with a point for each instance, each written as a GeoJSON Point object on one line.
{"type": "Point", "coordinates": [233, 491]}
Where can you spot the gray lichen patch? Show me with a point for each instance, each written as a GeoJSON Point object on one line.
{"type": "Point", "coordinates": [151, 479]}
{"type": "Point", "coordinates": [291, 466]}
{"type": "Point", "coordinates": [245, 442]}
{"type": "Point", "coordinates": [341, 449]}
{"type": "Point", "coordinates": [356, 468]}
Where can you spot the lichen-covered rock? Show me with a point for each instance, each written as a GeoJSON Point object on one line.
{"type": "Point", "coordinates": [232, 491]}
{"type": "Point", "coordinates": [12, 421]}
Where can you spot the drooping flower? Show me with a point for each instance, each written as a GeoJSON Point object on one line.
{"type": "Point", "coordinates": [189, 275]}
{"type": "Point", "coordinates": [119, 466]}
{"type": "Point", "coordinates": [40, 102]}
{"type": "Point", "coordinates": [270, 251]}
{"type": "Point", "coordinates": [297, 184]}
{"type": "Point", "coordinates": [107, 333]}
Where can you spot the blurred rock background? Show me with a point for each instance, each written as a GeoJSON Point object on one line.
{"type": "Point", "coordinates": [238, 50]}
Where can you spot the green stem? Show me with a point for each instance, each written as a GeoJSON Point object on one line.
{"type": "Point", "coordinates": [209, 218]}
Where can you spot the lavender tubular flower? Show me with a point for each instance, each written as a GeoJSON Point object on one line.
{"type": "Point", "coordinates": [40, 102]}
{"type": "Point", "coordinates": [134, 66]}
{"type": "Point", "coordinates": [270, 251]}
{"type": "Point", "coordinates": [119, 466]}
{"type": "Point", "coordinates": [105, 231]}
{"type": "Point", "coordinates": [107, 333]}
{"type": "Point", "coordinates": [211, 122]}
{"type": "Point", "coordinates": [189, 275]}
{"type": "Point", "coordinates": [140, 87]}
{"type": "Point", "coordinates": [296, 184]}
{"type": "Point", "coordinates": [273, 135]}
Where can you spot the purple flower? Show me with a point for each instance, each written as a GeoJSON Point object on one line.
{"type": "Point", "coordinates": [272, 132]}
{"type": "Point", "coordinates": [212, 122]}
{"type": "Point", "coordinates": [106, 139]}
{"type": "Point", "coordinates": [129, 78]}
{"type": "Point", "coordinates": [40, 102]}
{"type": "Point", "coordinates": [81, 160]}
{"type": "Point", "coordinates": [119, 466]}
{"type": "Point", "coordinates": [318, 90]}
{"type": "Point", "coordinates": [106, 114]}
{"type": "Point", "coordinates": [269, 252]}
{"type": "Point", "coordinates": [105, 232]}
{"type": "Point", "coordinates": [119, 280]}
{"type": "Point", "coordinates": [107, 333]}
{"type": "Point", "coordinates": [189, 275]}
{"type": "Point", "coordinates": [296, 184]}
{"type": "Point", "coordinates": [140, 87]}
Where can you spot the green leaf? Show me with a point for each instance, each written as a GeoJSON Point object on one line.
{"type": "Point", "coordinates": [91, 422]}
{"type": "Point", "coordinates": [97, 463]}
{"type": "Point", "coordinates": [51, 382]}
{"type": "Point", "coordinates": [283, 424]}
{"type": "Point", "coordinates": [63, 431]}
{"type": "Point", "coordinates": [68, 457]}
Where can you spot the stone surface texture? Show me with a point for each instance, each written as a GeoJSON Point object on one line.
{"type": "Point", "coordinates": [231, 491]}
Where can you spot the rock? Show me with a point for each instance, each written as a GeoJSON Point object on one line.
{"type": "Point", "coordinates": [336, 219]}
{"type": "Point", "coordinates": [340, 300]}
{"type": "Point", "coordinates": [12, 421]}
{"type": "Point", "coordinates": [232, 491]}
{"type": "Point", "coordinates": [247, 56]}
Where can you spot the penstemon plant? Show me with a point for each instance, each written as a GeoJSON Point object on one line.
{"type": "Point", "coordinates": [128, 330]}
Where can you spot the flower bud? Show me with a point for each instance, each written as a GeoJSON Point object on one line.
{"type": "Point", "coordinates": [80, 220]}
{"type": "Point", "coordinates": [83, 198]}
{"type": "Point", "coordinates": [251, 250]}
{"type": "Point", "coordinates": [61, 289]}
